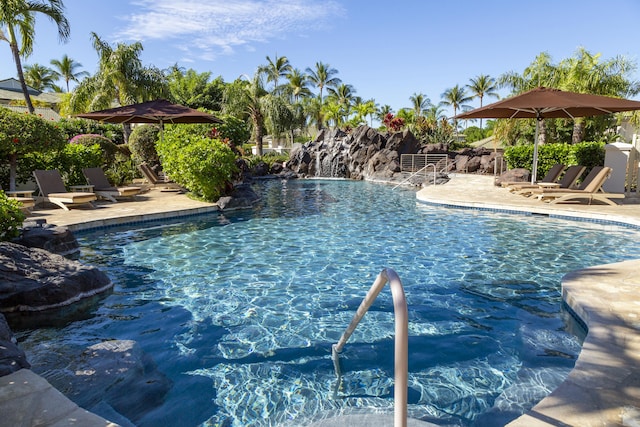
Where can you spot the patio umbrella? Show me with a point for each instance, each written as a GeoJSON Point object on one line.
{"type": "Point", "coordinates": [543, 103]}
{"type": "Point", "coordinates": [158, 111]}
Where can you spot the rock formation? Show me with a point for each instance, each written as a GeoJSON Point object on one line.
{"type": "Point", "coordinates": [367, 154]}
{"type": "Point", "coordinates": [34, 280]}
{"type": "Point", "coordinates": [12, 358]}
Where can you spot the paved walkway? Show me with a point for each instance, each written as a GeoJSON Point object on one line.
{"type": "Point", "coordinates": [602, 390]}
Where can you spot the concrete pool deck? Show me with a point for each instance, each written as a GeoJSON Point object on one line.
{"type": "Point", "coordinates": [602, 390]}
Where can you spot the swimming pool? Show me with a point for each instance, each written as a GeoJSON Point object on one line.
{"type": "Point", "coordinates": [239, 311]}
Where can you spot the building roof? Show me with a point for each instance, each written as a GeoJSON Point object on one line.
{"type": "Point", "coordinates": [44, 112]}
{"type": "Point", "coordinates": [10, 90]}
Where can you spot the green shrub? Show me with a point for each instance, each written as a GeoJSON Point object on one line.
{"type": "Point", "coordinates": [72, 127]}
{"type": "Point", "coordinates": [11, 217]}
{"type": "Point", "coordinates": [588, 154]}
{"type": "Point", "coordinates": [233, 129]}
{"type": "Point", "coordinates": [109, 149]}
{"type": "Point", "coordinates": [142, 143]}
{"type": "Point", "coordinates": [22, 134]}
{"type": "Point", "coordinates": [204, 165]}
{"type": "Point", "coordinates": [69, 162]}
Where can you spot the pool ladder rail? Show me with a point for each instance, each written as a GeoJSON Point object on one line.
{"type": "Point", "coordinates": [401, 357]}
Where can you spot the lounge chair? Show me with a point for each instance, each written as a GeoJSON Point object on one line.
{"type": "Point", "coordinates": [52, 190]}
{"type": "Point", "coordinates": [590, 190]}
{"type": "Point", "coordinates": [568, 181]}
{"type": "Point", "coordinates": [21, 196]}
{"type": "Point", "coordinates": [102, 187]}
{"type": "Point", "coordinates": [153, 179]}
{"type": "Point", "coordinates": [551, 176]}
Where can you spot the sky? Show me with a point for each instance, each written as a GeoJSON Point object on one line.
{"type": "Point", "coordinates": [387, 50]}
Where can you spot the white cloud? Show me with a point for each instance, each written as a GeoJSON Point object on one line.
{"type": "Point", "coordinates": [207, 28]}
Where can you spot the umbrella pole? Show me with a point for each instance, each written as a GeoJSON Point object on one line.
{"type": "Point", "coordinates": [534, 168]}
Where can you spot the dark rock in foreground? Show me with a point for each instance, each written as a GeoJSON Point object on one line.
{"type": "Point", "coordinates": [12, 358]}
{"type": "Point", "coordinates": [243, 197]}
{"type": "Point", "coordinates": [33, 280]}
{"type": "Point", "coordinates": [59, 240]}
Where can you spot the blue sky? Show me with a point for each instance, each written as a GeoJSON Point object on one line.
{"type": "Point", "coordinates": [388, 50]}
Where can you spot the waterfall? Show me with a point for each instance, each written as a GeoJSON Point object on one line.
{"type": "Point", "coordinates": [318, 164]}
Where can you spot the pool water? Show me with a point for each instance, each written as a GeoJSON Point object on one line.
{"type": "Point", "coordinates": [240, 310]}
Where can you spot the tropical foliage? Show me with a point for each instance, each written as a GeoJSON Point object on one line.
{"type": "Point", "coordinates": [204, 165]}
{"type": "Point", "coordinates": [19, 17]}
{"type": "Point", "coordinates": [11, 217]}
{"type": "Point", "coordinates": [22, 134]}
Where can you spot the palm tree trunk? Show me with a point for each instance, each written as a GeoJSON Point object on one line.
{"type": "Point", "coordinates": [578, 130]}
{"type": "Point", "coordinates": [23, 84]}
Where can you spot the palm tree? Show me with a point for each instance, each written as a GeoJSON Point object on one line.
{"type": "Point", "coordinates": [121, 78]}
{"type": "Point", "coordinates": [364, 109]}
{"type": "Point", "coordinates": [276, 68]}
{"type": "Point", "coordinates": [541, 72]}
{"type": "Point", "coordinates": [481, 86]}
{"type": "Point", "coordinates": [585, 73]}
{"type": "Point", "coordinates": [251, 100]}
{"type": "Point", "coordinates": [298, 86]}
{"type": "Point", "coordinates": [323, 76]}
{"type": "Point", "coordinates": [419, 102]}
{"type": "Point", "coordinates": [344, 96]}
{"type": "Point", "coordinates": [436, 112]}
{"type": "Point", "coordinates": [66, 70]}
{"type": "Point", "coordinates": [41, 78]}
{"type": "Point", "coordinates": [18, 16]}
{"type": "Point", "coordinates": [455, 97]}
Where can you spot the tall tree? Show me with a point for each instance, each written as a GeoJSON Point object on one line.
{"type": "Point", "coordinates": [298, 86]}
{"type": "Point", "coordinates": [586, 73]}
{"type": "Point", "coordinates": [41, 78]}
{"type": "Point", "coordinates": [18, 16]}
{"type": "Point", "coordinates": [276, 68]}
{"type": "Point", "coordinates": [419, 102]}
{"type": "Point", "coordinates": [481, 86]}
{"type": "Point", "coordinates": [323, 76]}
{"type": "Point", "coordinates": [456, 98]}
{"type": "Point", "coordinates": [121, 78]}
{"type": "Point", "coordinates": [250, 99]}
{"type": "Point", "coordinates": [344, 96]}
{"type": "Point", "coordinates": [66, 69]}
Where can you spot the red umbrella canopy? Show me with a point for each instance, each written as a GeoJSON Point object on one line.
{"type": "Point", "coordinates": [545, 103]}
{"type": "Point", "coordinates": [158, 111]}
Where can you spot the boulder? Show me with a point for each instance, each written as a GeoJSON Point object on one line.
{"type": "Point", "coordinates": [12, 358]}
{"type": "Point", "coordinates": [59, 240]}
{"type": "Point", "coordinates": [34, 280]}
{"type": "Point", "coordinates": [514, 175]}
{"type": "Point", "coordinates": [242, 197]}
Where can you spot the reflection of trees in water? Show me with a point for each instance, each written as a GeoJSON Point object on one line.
{"type": "Point", "coordinates": [283, 200]}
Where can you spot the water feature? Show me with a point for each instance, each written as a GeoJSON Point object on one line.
{"type": "Point", "coordinates": [240, 310]}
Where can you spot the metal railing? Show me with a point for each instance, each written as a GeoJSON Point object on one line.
{"type": "Point", "coordinates": [417, 162]}
{"type": "Point", "coordinates": [401, 357]}
{"type": "Point", "coordinates": [404, 181]}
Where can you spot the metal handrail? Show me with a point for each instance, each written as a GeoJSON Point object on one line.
{"type": "Point", "coordinates": [401, 356]}
{"type": "Point", "coordinates": [416, 173]}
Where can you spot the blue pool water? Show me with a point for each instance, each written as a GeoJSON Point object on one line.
{"type": "Point", "coordinates": [240, 310]}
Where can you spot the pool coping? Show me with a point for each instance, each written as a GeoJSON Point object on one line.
{"type": "Point", "coordinates": [603, 388]}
